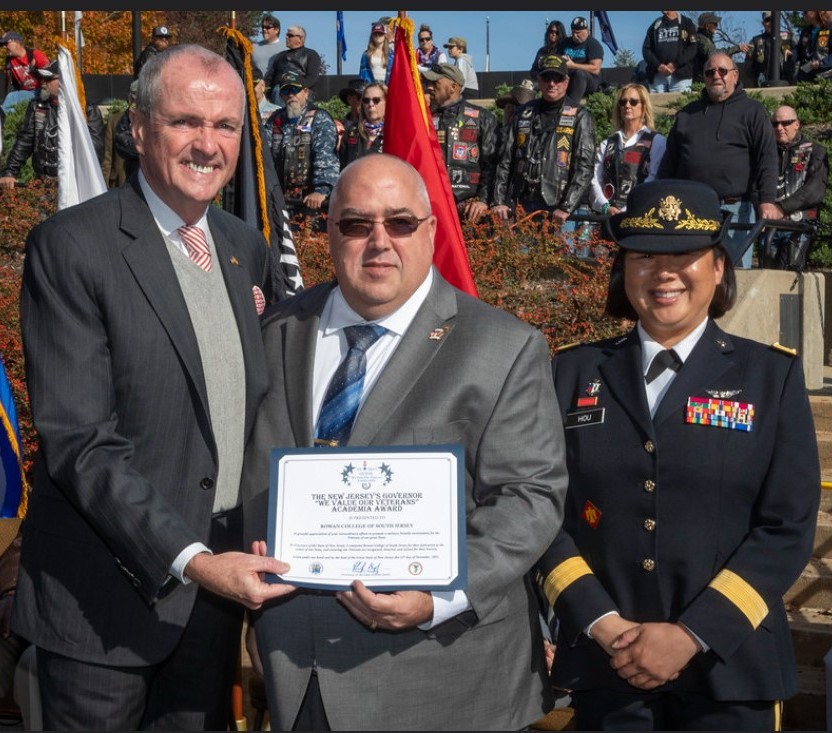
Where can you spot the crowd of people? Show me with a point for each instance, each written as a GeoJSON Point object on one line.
{"type": "Point", "coordinates": [653, 496]}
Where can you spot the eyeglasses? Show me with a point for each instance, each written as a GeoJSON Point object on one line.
{"type": "Point", "coordinates": [294, 35]}
{"type": "Point", "coordinates": [624, 101]}
{"type": "Point", "coordinates": [372, 100]}
{"type": "Point", "coordinates": [425, 38]}
{"type": "Point", "coordinates": [395, 226]}
{"type": "Point", "coordinates": [553, 30]}
{"type": "Point", "coordinates": [267, 27]}
{"type": "Point", "coordinates": [721, 70]}
{"type": "Point", "coordinates": [783, 123]}
{"type": "Point", "coordinates": [288, 91]}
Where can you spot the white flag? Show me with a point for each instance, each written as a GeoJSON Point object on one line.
{"type": "Point", "coordinates": [79, 173]}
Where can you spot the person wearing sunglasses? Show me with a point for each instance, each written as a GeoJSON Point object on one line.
{"type": "Point", "coordinates": [298, 58]}
{"type": "Point", "coordinates": [428, 53]}
{"type": "Point", "coordinates": [631, 155]}
{"type": "Point", "coordinates": [367, 136]}
{"type": "Point", "coordinates": [725, 139]}
{"type": "Point", "coordinates": [304, 140]}
{"type": "Point", "coordinates": [552, 37]}
{"type": "Point", "coordinates": [547, 157]}
{"type": "Point", "coordinates": [693, 489]}
{"type": "Point", "coordinates": [467, 135]}
{"type": "Point", "coordinates": [443, 368]}
{"type": "Point", "coordinates": [801, 187]}
{"type": "Point", "coordinates": [668, 49]}
{"type": "Point", "coordinates": [265, 50]}
{"type": "Point", "coordinates": [706, 28]}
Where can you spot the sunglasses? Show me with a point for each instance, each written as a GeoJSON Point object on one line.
{"type": "Point", "coordinates": [294, 35]}
{"type": "Point", "coordinates": [783, 123]}
{"type": "Point", "coordinates": [553, 30]}
{"type": "Point", "coordinates": [426, 38]}
{"type": "Point", "coordinates": [371, 100]}
{"type": "Point", "coordinates": [266, 27]}
{"type": "Point", "coordinates": [721, 70]}
{"type": "Point", "coordinates": [395, 226]}
{"type": "Point", "coordinates": [627, 100]}
{"type": "Point", "coordinates": [287, 91]}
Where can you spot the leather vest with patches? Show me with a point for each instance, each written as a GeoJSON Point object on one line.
{"type": "Point", "coordinates": [625, 167]}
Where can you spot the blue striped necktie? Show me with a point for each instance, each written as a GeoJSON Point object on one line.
{"type": "Point", "coordinates": [343, 395]}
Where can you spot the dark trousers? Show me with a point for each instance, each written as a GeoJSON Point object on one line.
{"type": "Point", "coordinates": [189, 690]}
{"type": "Point", "coordinates": [608, 710]}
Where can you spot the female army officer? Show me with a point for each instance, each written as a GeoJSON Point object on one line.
{"type": "Point", "coordinates": [693, 490]}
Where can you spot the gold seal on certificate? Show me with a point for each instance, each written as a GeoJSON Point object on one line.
{"type": "Point", "coordinates": [392, 517]}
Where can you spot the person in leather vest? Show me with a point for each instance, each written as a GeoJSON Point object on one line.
{"type": "Point", "coordinates": [366, 135]}
{"type": "Point", "coordinates": [801, 187]}
{"type": "Point", "coordinates": [303, 144]}
{"type": "Point", "coordinates": [631, 155]}
{"type": "Point", "coordinates": [547, 160]}
{"type": "Point", "coordinates": [37, 135]}
{"type": "Point", "coordinates": [467, 136]}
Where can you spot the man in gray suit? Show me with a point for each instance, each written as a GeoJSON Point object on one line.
{"type": "Point", "coordinates": [447, 369]}
{"type": "Point", "coordinates": [145, 367]}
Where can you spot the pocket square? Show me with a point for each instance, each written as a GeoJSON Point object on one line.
{"type": "Point", "coordinates": [259, 300]}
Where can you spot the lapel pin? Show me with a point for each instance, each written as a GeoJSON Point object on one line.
{"type": "Point", "coordinates": [438, 333]}
{"type": "Point", "coordinates": [234, 261]}
{"type": "Point", "coordinates": [594, 387]}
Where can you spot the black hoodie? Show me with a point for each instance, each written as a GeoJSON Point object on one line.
{"type": "Point", "coordinates": [729, 145]}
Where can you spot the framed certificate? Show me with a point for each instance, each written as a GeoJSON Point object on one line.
{"type": "Point", "coordinates": [392, 517]}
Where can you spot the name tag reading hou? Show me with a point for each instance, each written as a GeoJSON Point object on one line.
{"type": "Point", "coordinates": [392, 517]}
{"type": "Point", "coordinates": [582, 418]}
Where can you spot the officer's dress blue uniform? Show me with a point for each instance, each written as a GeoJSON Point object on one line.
{"type": "Point", "coordinates": [670, 520]}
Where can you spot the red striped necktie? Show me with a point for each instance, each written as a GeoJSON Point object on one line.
{"type": "Point", "coordinates": [197, 246]}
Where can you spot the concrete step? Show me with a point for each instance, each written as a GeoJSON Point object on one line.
{"type": "Point", "coordinates": [813, 589]}
{"type": "Point", "coordinates": [824, 438]}
{"type": "Point", "coordinates": [826, 494]}
{"type": "Point", "coordinates": [822, 411]}
{"type": "Point", "coordinates": [811, 634]}
{"type": "Point", "coordinates": [823, 534]}
{"type": "Point", "coordinates": [807, 709]}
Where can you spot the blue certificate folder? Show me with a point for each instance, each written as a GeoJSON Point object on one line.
{"type": "Point", "coordinates": [459, 582]}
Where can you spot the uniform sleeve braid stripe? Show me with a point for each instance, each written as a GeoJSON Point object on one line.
{"type": "Point", "coordinates": [742, 595]}
{"type": "Point", "coordinates": [563, 576]}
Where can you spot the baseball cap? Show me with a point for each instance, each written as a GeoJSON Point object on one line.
{"type": "Point", "coordinates": [11, 36]}
{"type": "Point", "coordinates": [161, 31]}
{"type": "Point", "coordinates": [706, 18]}
{"type": "Point", "coordinates": [291, 79]}
{"type": "Point", "coordinates": [354, 86]}
{"type": "Point", "coordinates": [579, 23]}
{"type": "Point", "coordinates": [445, 71]}
{"type": "Point", "coordinates": [552, 65]}
{"type": "Point", "coordinates": [456, 41]}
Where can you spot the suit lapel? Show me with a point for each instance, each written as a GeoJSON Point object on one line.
{"type": "Point", "coordinates": [709, 359]}
{"type": "Point", "coordinates": [621, 372]}
{"type": "Point", "coordinates": [412, 356]}
{"type": "Point", "coordinates": [299, 342]}
{"type": "Point", "coordinates": [147, 257]}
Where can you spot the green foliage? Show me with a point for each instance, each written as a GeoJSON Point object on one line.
{"type": "Point", "coordinates": [601, 104]}
{"type": "Point", "coordinates": [336, 108]}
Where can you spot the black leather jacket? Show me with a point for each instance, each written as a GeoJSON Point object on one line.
{"type": "Point", "coordinates": [552, 165]}
{"type": "Point", "coordinates": [305, 61]}
{"type": "Point", "coordinates": [468, 138]}
{"type": "Point", "coordinates": [38, 136]}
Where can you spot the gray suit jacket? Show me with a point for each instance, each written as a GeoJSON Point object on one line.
{"type": "Point", "coordinates": [125, 473]}
{"type": "Point", "coordinates": [486, 385]}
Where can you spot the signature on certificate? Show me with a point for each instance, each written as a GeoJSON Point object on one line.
{"type": "Point", "coordinates": [365, 567]}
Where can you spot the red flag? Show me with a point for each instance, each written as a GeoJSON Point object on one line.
{"type": "Point", "coordinates": [409, 135]}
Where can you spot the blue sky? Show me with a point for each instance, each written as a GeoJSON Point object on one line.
{"type": "Point", "coordinates": [514, 35]}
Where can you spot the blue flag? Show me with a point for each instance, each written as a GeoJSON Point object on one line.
{"type": "Point", "coordinates": [607, 36]}
{"type": "Point", "coordinates": [340, 37]}
{"type": "Point", "coordinates": [12, 478]}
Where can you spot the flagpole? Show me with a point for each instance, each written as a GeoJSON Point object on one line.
{"type": "Point", "coordinates": [487, 43]}
{"type": "Point", "coordinates": [338, 50]}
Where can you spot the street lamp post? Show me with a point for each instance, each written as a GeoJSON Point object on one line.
{"type": "Point", "coordinates": [487, 43]}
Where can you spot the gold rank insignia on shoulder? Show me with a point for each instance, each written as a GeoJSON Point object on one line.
{"type": "Point", "coordinates": [777, 346]}
{"type": "Point", "coordinates": [566, 347]}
